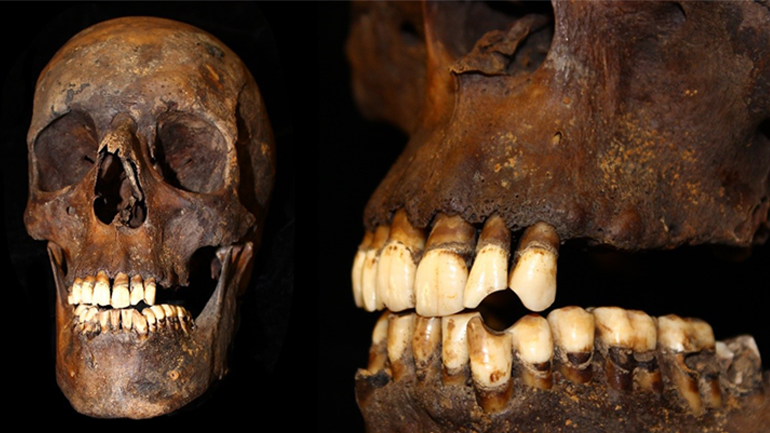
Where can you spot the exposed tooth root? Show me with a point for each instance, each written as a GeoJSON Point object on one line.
{"type": "Point", "coordinates": [533, 277]}
{"type": "Point", "coordinates": [396, 266]}
{"type": "Point", "coordinates": [426, 346]}
{"type": "Point", "coordinates": [623, 335]}
{"type": "Point", "coordinates": [87, 289]}
{"type": "Point", "coordinates": [573, 335]}
{"type": "Point", "coordinates": [149, 291]}
{"type": "Point", "coordinates": [120, 295]}
{"type": "Point", "coordinates": [443, 271]}
{"type": "Point", "coordinates": [489, 273]}
{"type": "Point", "coordinates": [358, 269]}
{"type": "Point", "coordinates": [171, 316]}
{"type": "Point", "coordinates": [137, 289]}
{"type": "Point", "coordinates": [491, 358]}
{"type": "Point", "coordinates": [126, 318]}
{"type": "Point", "coordinates": [184, 319]}
{"type": "Point", "coordinates": [371, 301]}
{"type": "Point", "coordinates": [149, 316]}
{"type": "Point", "coordinates": [400, 333]}
{"type": "Point", "coordinates": [160, 314]}
{"type": "Point", "coordinates": [533, 345]}
{"type": "Point", "coordinates": [454, 347]}
{"type": "Point", "coordinates": [104, 320]}
{"type": "Point", "coordinates": [378, 352]}
{"type": "Point", "coordinates": [115, 319]}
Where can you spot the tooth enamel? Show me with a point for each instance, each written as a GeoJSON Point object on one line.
{"type": "Point", "coordinates": [120, 295]}
{"type": "Point", "coordinates": [149, 316]}
{"type": "Point", "coordinates": [126, 319]}
{"type": "Point", "coordinates": [425, 345]}
{"type": "Point", "coordinates": [684, 335]}
{"type": "Point", "coordinates": [442, 273]}
{"type": "Point", "coordinates": [358, 268]}
{"type": "Point", "coordinates": [87, 290]}
{"type": "Point", "coordinates": [159, 312]}
{"type": "Point", "coordinates": [104, 320]}
{"type": "Point", "coordinates": [114, 319]}
{"type": "Point", "coordinates": [454, 346]}
{"type": "Point", "coordinates": [371, 301]}
{"type": "Point", "coordinates": [489, 273]}
{"type": "Point", "coordinates": [75, 298]}
{"type": "Point", "coordinates": [137, 289]}
{"type": "Point", "coordinates": [626, 335]}
{"type": "Point", "coordinates": [491, 358]}
{"type": "Point", "coordinates": [183, 315]}
{"type": "Point", "coordinates": [378, 352]}
{"type": "Point", "coordinates": [149, 291]}
{"type": "Point", "coordinates": [573, 334]}
{"type": "Point", "coordinates": [533, 345]}
{"type": "Point", "coordinates": [396, 267]}
{"type": "Point", "coordinates": [101, 290]}
{"type": "Point", "coordinates": [139, 321]}
{"type": "Point", "coordinates": [533, 277]}
{"type": "Point", "coordinates": [400, 333]}
{"type": "Point", "coordinates": [78, 311]}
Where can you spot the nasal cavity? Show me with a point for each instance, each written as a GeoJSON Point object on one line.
{"type": "Point", "coordinates": [116, 200]}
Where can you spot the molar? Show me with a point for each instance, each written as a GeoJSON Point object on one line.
{"type": "Point", "coordinates": [533, 345]}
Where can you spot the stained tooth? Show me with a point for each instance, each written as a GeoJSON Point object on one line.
{"type": "Point", "coordinates": [90, 320]}
{"type": "Point", "coordinates": [491, 359]}
{"type": "Point", "coordinates": [454, 347]}
{"type": "Point", "coordinates": [489, 273]}
{"type": "Point", "coordinates": [358, 269]}
{"type": "Point", "coordinates": [442, 273]}
{"type": "Point", "coordinates": [87, 290]}
{"type": "Point", "coordinates": [114, 319]}
{"type": "Point", "coordinates": [183, 315]}
{"type": "Point", "coordinates": [378, 351]}
{"type": "Point", "coordinates": [75, 293]}
{"type": "Point", "coordinates": [740, 365]}
{"type": "Point", "coordinates": [533, 345]}
{"type": "Point", "coordinates": [400, 333]}
{"type": "Point", "coordinates": [426, 346]}
{"type": "Point", "coordinates": [149, 316]}
{"type": "Point", "coordinates": [533, 277]}
{"type": "Point", "coordinates": [101, 292]}
{"type": "Point", "coordinates": [371, 301]}
{"type": "Point", "coordinates": [396, 266]}
{"type": "Point", "coordinates": [127, 319]}
{"type": "Point", "coordinates": [149, 291]}
{"type": "Point", "coordinates": [137, 289]}
{"type": "Point", "coordinates": [79, 311]}
{"type": "Point", "coordinates": [104, 320]}
{"type": "Point", "coordinates": [120, 295]}
{"type": "Point", "coordinates": [624, 336]}
{"type": "Point", "coordinates": [573, 335]}
{"type": "Point", "coordinates": [160, 313]}
{"type": "Point", "coordinates": [140, 323]}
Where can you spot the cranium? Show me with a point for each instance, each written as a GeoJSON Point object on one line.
{"type": "Point", "coordinates": [151, 164]}
{"type": "Point", "coordinates": [629, 125]}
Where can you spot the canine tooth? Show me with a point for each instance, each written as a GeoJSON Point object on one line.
{"type": "Point", "coordinates": [533, 277]}
{"type": "Point", "coordinates": [442, 273]}
{"type": "Point", "coordinates": [425, 345]}
{"type": "Point", "coordinates": [454, 346]}
{"type": "Point", "coordinates": [491, 359]}
{"type": "Point", "coordinates": [489, 273]}
{"type": "Point", "coordinates": [120, 295]}
{"type": "Point", "coordinates": [137, 289]}
{"type": "Point", "coordinates": [87, 290]}
{"type": "Point", "coordinates": [358, 268]}
{"type": "Point", "coordinates": [139, 321]}
{"type": "Point", "coordinates": [75, 292]}
{"type": "Point", "coordinates": [533, 344]}
{"type": "Point", "coordinates": [371, 301]}
{"type": "Point", "coordinates": [378, 351]}
{"type": "Point", "coordinates": [396, 267]}
{"type": "Point", "coordinates": [101, 290]}
{"type": "Point", "coordinates": [149, 316]}
{"type": "Point", "coordinates": [400, 333]}
{"type": "Point", "coordinates": [149, 291]}
{"type": "Point", "coordinates": [573, 334]}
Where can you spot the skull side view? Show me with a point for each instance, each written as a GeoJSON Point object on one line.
{"type": "Point", "coordinates": [151, 165]}
{"type": "Point", "coordinates": [634, 125]}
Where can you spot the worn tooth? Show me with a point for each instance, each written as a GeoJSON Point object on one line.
{"type": "Point", "coordinates": [87, 290]}
{"type": "Point", "coordinates": [120, 295]}
{"type": "Point", "coordinates": [126, 319]}
{"type": "Point", "coordinates": [101, 289]}
{"type": "Point", "coordinates": [443, 272]}
{"type": "Point", "coordinates": [624, 335]}
{"type": "Point", "coordinates": [356, 274]}
{"type": "Point", "coordinates": [183, 315]}
{"type": "Point", "coordinates": [160, 314]}
{"type": "Point", "coordinates": [104, 320]}
{"type": "Point", "coordinates": [533, 277]}
{"type": "Point", "coordinates": [115, 319]}
{"type": "Point", "coordinates": [533, 345]}
{"type": "Point", "coordinates": [90, 320]}
{"type": "Point", "coordinates": [75, 292]}
{"type": "Point", "coordinates": [491, 359]}
{"type": "Point", "coordinates": [396, 267]}
{"type": "Point", "coordinates": [149, 291]}
{"type": "Point", "coordinates": [400, 333]}
{"type": "Point", "coordinates": [489, 273]}
{"type": "Point", "coordinates": [171, 316]}
{"type": "Point", "coordinates": [79, 310]}
{"type": "Point", "coordinates": [139, 321]}
{"type": "Point", "coordinates": [454, 347]}
{"type": "Point", "coordinates": [573, 334]}
{"type": "Point", "coordinates": [371, 301]}
{"type": "Point", "coordinates": [137, 289]}
{"type": "Point", "coordinates": [740, 365]}
{"type": "Point", "coordinates": [378, 351]}
{"type": "Point", "coordinates": [149, 316]}
{"type": "Point", "coordinates": [426, 346]}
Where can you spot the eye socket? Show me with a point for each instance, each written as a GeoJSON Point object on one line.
{"type": "Point", "coordinates": [65, 151]}
{"type": "Point", "coordinates": [190, 153]}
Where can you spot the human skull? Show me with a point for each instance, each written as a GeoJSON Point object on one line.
{"type": "Point", "coordinates": [151, 162]}
{"type": "Point", "coordinates": [630, 125]}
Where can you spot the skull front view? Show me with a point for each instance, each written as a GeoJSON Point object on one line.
{"type": "Point", "coordinates": [151, 163]}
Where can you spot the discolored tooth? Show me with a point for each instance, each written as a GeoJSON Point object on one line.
{"type": "Point", "coordinates": [378, 351]}
{"type": "Point", "coordinates": [183, 316]}
{"type": "Point", "coordinates": [149, 316]}
{"type": "Point", "coordinates": [120, 295]}
{"type": "Point", "coordinates": [740, 365]}
{"type": "Point", "coordinates": [171, 317]}
{"type": "Point", "coordinates": [573, 334]}
{"type": "Point", "coordinates": [137, 289]}
{"type": "Point", "coordinates": [396, 266]}
{"type": "Point", "coordinates": [101, 291]}
{"type": "Point", "coordinates": [533, 345]}
{"type": "Point", "coordinates": [90, 321]}
{"type": "Point", "coordinates": [358, 268]}
{"type": "Point", "coordinates": [533, 277]}
{"type": "Point", "coordinates": [400, 332]}
{"type": "Point", "coordinates": [160, 314]}
{"type": "Point", "coordinates": [454, 347]}
{"type": "Point", "coordinates": [114, 319]}
{"type": "Point", "coordinates": [139, 321]}
{"type": "Point", "coordinates": [623, 334]}
{"type": "Point", "coordinates": [149, 291]}
{"type": "Point", "coordinates": [79, 311]}
{"type": "Point", "coordinates": [489, 273]}
{"type": "Point", "coordinates": [126, 319]}
{"type": "Point", "coordinates": [426, 346]}
{"type": "Point", "coordinates": [87, 290]}
{"type": "Point", "coordinates": [104, 320]}
{"type": "Point", "coordinates": [371, 301]}
{"type": "Point", "coordinates": [74, 297]}
{"type": "Point", "coordinates": [443, 272]}
{"type": "Point", "coordinates": [491, 359]}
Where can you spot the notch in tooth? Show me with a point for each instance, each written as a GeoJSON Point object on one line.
{"type": "Point", "coordinates": [426, 346]}
{"type": "Point", "coordinates": [400, 333]}
{"type": "Point", "coordinates": [137, 289]}
{"type": "Point", "coordinates": [378, 351]}
{"type": "Point", "coordinates": [396, 266]}
{"type": "Point", "coordinates": [533, 345]}
{"type": "Point", "coordinates": [454, 347]}
{"type": "Point", "coordinates": [120, 295]}
{"type": "Point", "coordinates": [101, 291]}
{"type": "Point", "coordinates": [489, 273]}
{"type": "Point", "coordinates": [624, 335]}
{"type": "Point", "coordinates": [442, 273]}
{"type": "Point", "coordinates": [87, 290]}
{"type": "Point", "coordinates": [533, 277]}
{"type": "Point", "coordinates": [74, 296]}
{"type": "Point", "coordinates": [149, 291]}
{"type": "Point", "coordinates": [491, 358]}
{"type": "Point", "coordinates": [573, 335]}
{"type": "Point", "coordinates": [369, 297]}
{"type": "Point", "coordinates": [358, 268]}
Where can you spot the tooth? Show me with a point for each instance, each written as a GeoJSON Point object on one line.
{"type": "Point", "coordinates": [137, 289]}
{"type": "Point", "coordinates": [87, 290]}
{"type": "Point", "coordinates": [79, 311]}
{"type": "Point", "coordinates": [533, 345]}
{"type": "Point", "coordinates": [126, 318]}
{"type": "Point", "coordinates": [76, 289]}
{"type": "Point", "coordinates": [378, 351]}
{"type": "Point", "coordinates": [573, 335]}
{"type": "Point", "coordinates": [120, 295]}
{"type": "Point", "coordinates": [625, 335]}
{"type": "Point", "coordinates": [104, 320]}
{"type": "Point", "coordinates": [139, 321]}
{"type": "Point", "coordinates": [149, 316]}
{"type": "Point", "coordinates": [90, 320]}
{"type": "Point", "coordinates": [101, 292]}
{"type": "Point", "coordinates": [740, 365]}
{"type": "Point", "coordinates": [489, 273]}
{"type": "Point", "coordinates": [183, 316]}
{"type": "Point", "coordinates": [396, 266]}
{"type": "Point", "coordinates": [426, 346]}
{"type": "Point", "coordinates": [533, 277]}
{"type": "Point", "coordinates": [149, 291]}
{"type": "Point", "coordinates": [371, 301]}
{"type": "Point", "coordinates": [115, 319]}
{"type": "Point", "coordinates": [491, 359]}
{"type": "Point", "coordinates": [442, 273]}
{"type": "Point", "coordinates": [358, 268]}
{"type": "Point", "coordinates": [454, 347]}
{"type": "Point", "coordinates": [400, 332]}
{"type": "Point", "coordinates": [159, 312]}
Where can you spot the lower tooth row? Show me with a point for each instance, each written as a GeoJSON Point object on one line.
{"type": "Point", "coordinates": [625, 349]}
{"type": "Point", "coordinates": [92, 320]}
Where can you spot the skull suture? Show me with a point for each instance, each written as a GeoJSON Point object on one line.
{"type": "Point", "coordinates": [635, 125]}
{"type": "Point", "coordinates": [151, 165]}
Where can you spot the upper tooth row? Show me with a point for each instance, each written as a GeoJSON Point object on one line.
{"type": "Point", "coordinates": [631, 346]}
{"type": "Point", "coordinates": [386, 274]}
{"type": "Point", "coordinates": [97, 290]}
